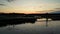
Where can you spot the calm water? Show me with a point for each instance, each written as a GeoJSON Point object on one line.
{"type": "Point", "coordinates": [39, 27]}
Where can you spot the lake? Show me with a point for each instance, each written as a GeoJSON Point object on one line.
{"type": "Point", "coordinates": [39, 27]}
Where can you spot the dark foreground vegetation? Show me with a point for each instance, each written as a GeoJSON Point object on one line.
{"type": "Point", "coordinates": [15, 22]}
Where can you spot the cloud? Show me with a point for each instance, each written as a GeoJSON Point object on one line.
{"type": "Point", "coordinates": [2, 4]}
{"type": "Point", "coordinates": [57, 8]}
{"type": "Point", "coordinates": [10, 0]}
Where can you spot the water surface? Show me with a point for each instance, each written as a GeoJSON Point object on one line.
{"type": "Point", "coordinates": [39, 27]}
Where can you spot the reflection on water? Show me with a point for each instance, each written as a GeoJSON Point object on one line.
{"type": "Point", "coordinates": [39, 27]}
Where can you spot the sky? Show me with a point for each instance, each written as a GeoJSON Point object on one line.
{"type": "Point", "coordinates": [28, 6]}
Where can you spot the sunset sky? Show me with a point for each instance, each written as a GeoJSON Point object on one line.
{"type": "Point", "coordinates": [28, 6]}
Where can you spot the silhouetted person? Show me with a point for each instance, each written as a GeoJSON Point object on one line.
{"type": "Point", "coordinates": [46, 19]}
